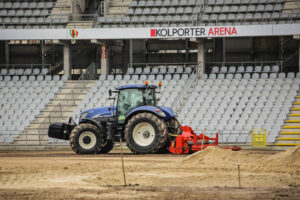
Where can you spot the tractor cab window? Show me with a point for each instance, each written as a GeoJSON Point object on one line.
{"type": "Point", "coordinates": [129, 99]}
{"type": "Point", "coordinates": [149, 97]}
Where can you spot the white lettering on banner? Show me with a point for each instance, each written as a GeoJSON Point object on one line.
{"type": "Point", "coordinates": [155, 32]}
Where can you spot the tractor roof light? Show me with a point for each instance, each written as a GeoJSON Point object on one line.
{"type": "Point", "coordinates": [146, 83]}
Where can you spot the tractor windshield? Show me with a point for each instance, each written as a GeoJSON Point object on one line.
{"type": "Point", "coordinates": [131, 98]}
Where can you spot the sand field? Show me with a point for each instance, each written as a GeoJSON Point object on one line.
{"type": "Point", "coordinates": [210, 174]}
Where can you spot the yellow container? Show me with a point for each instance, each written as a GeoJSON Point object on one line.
{"type": "Point", "coordinates": [259, 137]}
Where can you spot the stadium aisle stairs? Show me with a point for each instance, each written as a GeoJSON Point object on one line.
{"type": "Point", "coordinates": [290, 132]}
{"type": "Point", "coordinates": [116, 8]}
{"type": "Point", "coordinates": [37, 132]}
{"type": "Point", "coordinates": [61, 9]}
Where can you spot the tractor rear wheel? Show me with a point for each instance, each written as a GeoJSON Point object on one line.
{"type": "Point", "coordinates": [86, 139]}
{"type": "Point", "coordinates": [175, 127]}
{"type": "Point", "coordinates": [146, 133]}
{"type": "Point", "coordinates": [107, 147]}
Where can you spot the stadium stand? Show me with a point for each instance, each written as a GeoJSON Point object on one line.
{"type": "Point", "coordinates": [233, 105]}
{"type": "Point", "coordinates": [231, 98]}
{"type": "Point", "coordinates": [30, 14]}
{"type": "Point", "coordinates": [21, 100]}
{"type": "Point", "coordinates": [163, 13]}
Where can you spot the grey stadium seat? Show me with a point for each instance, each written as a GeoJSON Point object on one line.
{"type": "Point", "coordinates": [138, 11]}
{"type": "Point", "coordinates": [242, 9]}
{"type": "Point", "coordinates": [166, 3]}
{"type": "Point", "coordinates": [142, 3]}
{"type": "Point", "coordinates": [225, 9]}
{"type": "Point", "coordinates": [32, 5]}
{"type": "Point", "coordinates": [146, 11]}
{"type": "Point", "coordinates": [8, 5]}
{"type": "Point", "coordinates": [24, 5]}
{"type": "Point", "coordinates": [171, 11]}
{"type": "Point", "coordinates": [157, 3]}
{"type": "Point", "coordinates": [179, 10]}
{"type": "Point", "coordinates": [150, 3]}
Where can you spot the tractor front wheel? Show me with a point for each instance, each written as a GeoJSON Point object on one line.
{"type": "Point", "coordinates": [108, 146]}
{"type": "Point", "coordinates": [146, 133]}
{"type": "Point", "coordinates": [86, 139]}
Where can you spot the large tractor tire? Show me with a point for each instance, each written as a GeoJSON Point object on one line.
{"type": "Point", "coordinates": [86, 139]}
{"type": "Point", "coordinates": [107, 147]}
{"type": "Point", "coordinates": [175, 127]}
{"type": "Point", "coordinates": [146, 133]}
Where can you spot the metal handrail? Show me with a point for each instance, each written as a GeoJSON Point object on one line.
{"type": "Point", "coordinates": [187, 87]}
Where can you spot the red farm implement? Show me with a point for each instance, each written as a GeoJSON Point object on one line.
{"type": "Point", "coordinates": [189, 142]}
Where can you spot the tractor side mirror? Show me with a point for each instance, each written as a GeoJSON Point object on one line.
{"type": "Point", "coordinates": [110, 92]}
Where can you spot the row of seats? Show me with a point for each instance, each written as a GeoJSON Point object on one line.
{"type": "Point", "coordinates": [21, 71]}
{"type": "Point", "coordinates": [237, 2]}
{"type": "Point", "coordinates": [160, 11]}
{"type": "Point", "coordinates": [239, 76]}
{"type": "Point", "coordinates": [165, 3]}
{"type": "Point", "coordinates": [144, 77]}
{"type": "Point", "coordinates": [33, 20]}
{"type": "Point", "coordinates": [23, 13]}
{"type": "Point", "coordinates": [243, 8]}
{"type": "Point", "coordinates": [258, 17]}
{"type": "Point", "coordinates": [161, 70]}
{"type": "Point", "coordinates": [26, 5]}
{"type": "Point", "coordinates": [242, 69]}
{"type": "Point", "coordinates": [33, 78]}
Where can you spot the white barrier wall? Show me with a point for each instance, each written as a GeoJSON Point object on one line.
{"type": "Point", "coordinates": [146, 33]}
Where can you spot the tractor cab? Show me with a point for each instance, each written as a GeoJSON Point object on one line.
{"type": "Point", "coordinates": [133, 96]}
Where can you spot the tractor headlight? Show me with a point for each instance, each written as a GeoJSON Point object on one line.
{"type": "Point", "coordinates": [162, 114]}
{"type": "Point", "coordinates": [83, 116]}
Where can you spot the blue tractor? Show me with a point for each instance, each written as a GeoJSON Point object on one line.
{"type": "Point", "coordinates": [136, 119]}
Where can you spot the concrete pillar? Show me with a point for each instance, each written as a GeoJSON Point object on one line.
{"type": "Point", "coordinates": [224, 51]}
{"type": "Point", "coordinates": [187, 49]}
{"type": "Point", "coordinates": [104, 59]}
{"type": "Point", "coordinates": [42, 53]}
{"type": "Point", "coordinates": [201, 56]}
{"type": "Point", "coordinates": [130, 52]}
{"type": "Point", "coordinates": [6, 46]}
{"type": "Point", "coordinates": [299, 55]}
{"type": "Point", "coordinates": [67, 60]}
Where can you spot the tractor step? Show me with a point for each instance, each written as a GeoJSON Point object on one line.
{"type": "Point", "coordinates": [295, 108]}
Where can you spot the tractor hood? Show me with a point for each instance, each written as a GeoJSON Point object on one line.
{"type": "Point", "coordinates": [98, 112]}
{"type": "Point", "coordinates": [164, 112]}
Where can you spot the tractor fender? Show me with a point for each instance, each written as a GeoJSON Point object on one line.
{"type": "Point", "coordinates": [150, 109]}
{"type": "Point", "coordinates": [94, 122]}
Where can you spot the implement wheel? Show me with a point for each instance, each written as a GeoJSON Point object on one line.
{"type": "Point", "coordinates": [146, 133]}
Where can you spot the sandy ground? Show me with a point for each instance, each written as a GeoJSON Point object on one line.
{"type": "Point", "coordinates": [211, 174]}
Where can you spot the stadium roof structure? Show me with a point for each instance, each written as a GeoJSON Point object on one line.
{"type": "Point", "coordinates": [151, 33]}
